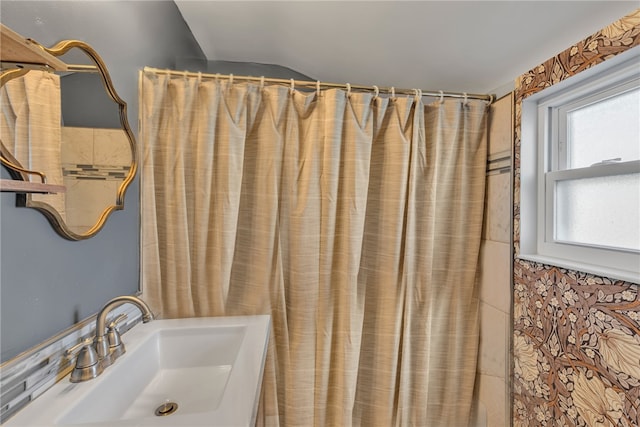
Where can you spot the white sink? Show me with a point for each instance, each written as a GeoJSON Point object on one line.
{"type": "Point", "coordinates": [210, 369]}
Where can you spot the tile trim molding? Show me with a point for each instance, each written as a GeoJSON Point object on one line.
{"type": "Point", "coordinates": [576, 339]}
{"type": "Point", "coordinates": [28, 375]}
{"type": "Point", "coordinates": [97, 172]}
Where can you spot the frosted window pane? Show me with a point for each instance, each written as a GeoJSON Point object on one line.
{"type": "Point", "coordinates": [605, 130]}
{"type": "Point", "coordinates": [603, 211]}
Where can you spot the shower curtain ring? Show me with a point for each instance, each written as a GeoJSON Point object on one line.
{"type": "Point", "coordinates": [466, 99]}
{"type": "Point", "coordinates": [441, 97]}
{"type": "Point", "coordinates": [490, 100]}
{"type": "Point", "coordinates": [230, 79]}
{"type": "Point", "coordinates": [418, 94]}
{"type": "Point", "coordinates": [348, 90]}
{"type": "Point", "coordinates": [376, 91]}
{"type": "Point", "coordinates": [318, 88]}
{"type": "Point", "coordinates": [393, 92]}
{"type": "Point", "coordinates": [293, 87]}
{"type": "Point", "coordinates": [261, 82]}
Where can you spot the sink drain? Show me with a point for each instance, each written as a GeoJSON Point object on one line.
{"type": "Point", "coordinates": [166, 409]}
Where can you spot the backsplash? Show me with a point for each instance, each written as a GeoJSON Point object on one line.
{"type": "Point", "coordinates": [576, 339]}
{"type": "Point", "coordinates": [30, 374]}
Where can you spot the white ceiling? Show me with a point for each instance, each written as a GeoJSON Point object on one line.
{"type": "Point", "coordinates": [472, 46]}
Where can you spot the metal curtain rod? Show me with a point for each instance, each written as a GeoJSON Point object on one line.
{"type": "Point", "coordinates": [318, 85]}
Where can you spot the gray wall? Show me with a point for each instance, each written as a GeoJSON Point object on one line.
{"type": "Point", "coordinates": [46, 282]}
{"type": "Point", "coordinates": [240, 68]}
{"type": "Point", "coordinates": [85, 103]}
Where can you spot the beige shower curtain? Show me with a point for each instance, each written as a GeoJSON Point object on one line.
{"type": "Point", "coordinates": [353, 220]}
{"type": "Point", "coordinates": [30, 129]}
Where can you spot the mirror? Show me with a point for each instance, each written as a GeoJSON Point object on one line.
{"type": "Point", "coordinates": [92, 152]}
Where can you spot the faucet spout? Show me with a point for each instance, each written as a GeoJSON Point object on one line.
{"type": "Point", "coordinates": [101, 343]}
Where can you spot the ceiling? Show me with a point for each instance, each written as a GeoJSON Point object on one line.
{"type": "Point", "coordinates": [465, 46]}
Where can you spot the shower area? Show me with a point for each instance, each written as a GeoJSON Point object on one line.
{"type": "Point", "coordinates": [354, 216]}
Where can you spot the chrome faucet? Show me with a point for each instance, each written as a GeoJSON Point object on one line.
{"type": "Point", "coordinates": [93, 355]}
{"type": "Point", "coordinates": [101, 341]}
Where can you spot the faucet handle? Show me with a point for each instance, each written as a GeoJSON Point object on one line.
{"type": "Point", "coordinates": [116, 346]}
{"type": "Point", "coordinates": [75, 350]}
{"type": "Point", "coordinates": [87, 364]}
{"type": "Point", "coordinates": [117, 320]}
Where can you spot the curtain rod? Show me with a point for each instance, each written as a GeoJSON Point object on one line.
{"type": "Point", "coordinates": [318, 85]}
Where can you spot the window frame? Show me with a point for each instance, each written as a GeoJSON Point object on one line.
{"type": "Point", "coordinates": [543, 164]}
{"type": "Point", "coordinates": [560, 146]}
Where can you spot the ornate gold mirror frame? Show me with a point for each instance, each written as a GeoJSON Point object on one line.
{"type": "Point", "coordinates": [19, 172]}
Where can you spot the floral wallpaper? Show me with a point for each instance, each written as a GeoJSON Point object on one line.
{"type": "Point", "coordinates": [576, 343]}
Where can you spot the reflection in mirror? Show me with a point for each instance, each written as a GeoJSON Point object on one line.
{"type": "Point", "coordinates": [72, 126]}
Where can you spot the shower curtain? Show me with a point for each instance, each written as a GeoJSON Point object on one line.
{"type": "Point", "coordinates": [352, 219]}
{"type": "Point", "coordinates": [30, 128]}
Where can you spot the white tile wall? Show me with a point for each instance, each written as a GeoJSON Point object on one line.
{"type": "Point", "coordinates": [492, 398]}
{"type": "Point", "coordinates": [497, 217]}
{"type": "Point", "coordinates": [493, 341]}
{"type": "Point", "coordinates": [77, 145]}
{"type": "Point", "coordinates": [111, 147]}
{"type": "Point", "coordinates": [495, 274]}
{"type": "Point", "coordinates": [95, 162]}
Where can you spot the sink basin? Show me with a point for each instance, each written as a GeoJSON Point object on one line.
{"type": "Point", "coordinates": [189, 372]}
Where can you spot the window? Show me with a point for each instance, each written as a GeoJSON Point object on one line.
{"type": "Point", "coordinates": [580, 175]}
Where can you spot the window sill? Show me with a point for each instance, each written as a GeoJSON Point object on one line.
{"type": "Point", "coordinates": [612, 273]}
